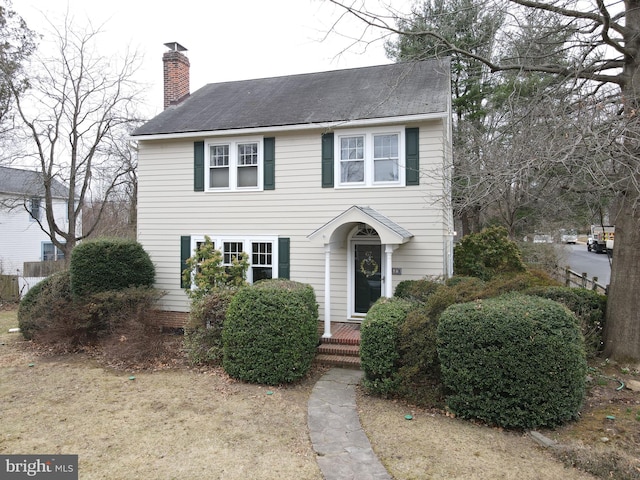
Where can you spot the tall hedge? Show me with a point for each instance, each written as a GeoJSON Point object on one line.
{"type": "Point", "coordinates": [516, 361]}
{"type": "Point", "coordinates": [105, 264]}
{"type": "Point", "coordinates": [379, 344]}
{"type": "Point", "coordinates": [270, 332]}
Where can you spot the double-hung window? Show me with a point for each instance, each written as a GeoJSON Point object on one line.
{"type": "Point", "coordinates": [234, 165]}
{"type": "Point", "coordinates": [51, 253]}
{"type": "Point", "coordinates": [35, 208]}
{"type": "Point", "coordinates": [370, 158]}
{"type": "Point", "coordinates": [262, 253]}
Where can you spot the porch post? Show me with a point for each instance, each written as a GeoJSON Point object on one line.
{"type": "Point", "coordinates": [388, 275]}
{"type": "Point", "coordinates": [327, 291]}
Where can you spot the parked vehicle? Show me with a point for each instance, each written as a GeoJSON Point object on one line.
{"type": "Point", "coordinates": [601, 239]}
{"type": "Point", "coordinates": [568, 236]}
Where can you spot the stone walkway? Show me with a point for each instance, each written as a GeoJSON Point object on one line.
{"type": "Point", "coordinates": [343, 450]}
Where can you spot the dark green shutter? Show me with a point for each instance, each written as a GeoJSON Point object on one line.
{"type": "Point", "coordinates": [327, 160]}
{"type": "Point", "coordinates": [270, 163]}
{"type": "Point", "coordinates": [198, 167]}
{"type": "Point", "coordinates": [412, 160]}
{"type": "Point", "coordinates": [284, 267]}
{"type": "Point", "coordinates": [185, 253]}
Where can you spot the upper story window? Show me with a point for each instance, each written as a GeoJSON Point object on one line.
{"type": "Point", "coordinates": [35, 210]}
{"type": "Point", "coordinates": [234, 165]}
{"type": "Point", "coordinates": [370, 157]}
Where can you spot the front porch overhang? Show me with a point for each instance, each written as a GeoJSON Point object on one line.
{"type": "Point", "coordinates": [336, 229]}
{"type": "Point", "coordinates": [336, 232]}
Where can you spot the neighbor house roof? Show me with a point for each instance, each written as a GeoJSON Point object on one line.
{"type": "Point", "coordinates": [395, 90]}
{"type": "Point", "coordinates": [14, 181]}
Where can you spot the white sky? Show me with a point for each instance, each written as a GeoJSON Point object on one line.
{"type": "Point", "coordinates": [226, 39]}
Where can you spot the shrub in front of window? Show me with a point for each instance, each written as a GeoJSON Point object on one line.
{"type": "Point", "coordinates": [104, 265]}
{"type": "Point", "coordinates": [203, 333]}
{"type": "Point", "coordinates": [379, 349]}
{"type": "Point", "coordinates": [515, 361]}
{"type": "Point", "coordinates": [487, 254]}
{"type": "Point", "coordinates": [270, 332]}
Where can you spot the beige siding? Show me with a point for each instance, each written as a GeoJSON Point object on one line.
{"type": "Point", "coordinates": [168, 208]}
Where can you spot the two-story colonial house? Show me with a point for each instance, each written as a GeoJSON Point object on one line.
{"type": "Point", "coordinates": [337, 179]}
{"type": "Point", "coordinates": [22, 209]}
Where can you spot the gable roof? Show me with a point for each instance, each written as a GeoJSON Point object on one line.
{"type": "Point", "coordinates": [15, 181]}
{"type": "Point", "coordinates": [395, 90]}
{"type": "Point", "coordinates": [390, 232]}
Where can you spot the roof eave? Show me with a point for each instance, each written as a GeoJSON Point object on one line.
{"type": "Point", "coordinates": [296, 127]}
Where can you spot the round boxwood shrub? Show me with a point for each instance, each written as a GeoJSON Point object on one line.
{"type": "Point", "coordinates": [103, 265]}
{"type": "Point", "coordinates": [588, 306]}
{"type": "Point", "coordinates": [270, 332]}
{"type": "Point", "coordinates": [515, 361]}
{"type": "Point", "coordinates": [38, 308]}
{"type": "Point", "coordinates": [486, 254]}
{"type": "Point", "coordinates": [379, 344]}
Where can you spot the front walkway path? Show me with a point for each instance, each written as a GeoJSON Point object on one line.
{"type": "Point", "coordinates": [342, 448]}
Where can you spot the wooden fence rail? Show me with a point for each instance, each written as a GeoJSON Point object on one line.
{"type": "Point", "coordinates": [575, 279]}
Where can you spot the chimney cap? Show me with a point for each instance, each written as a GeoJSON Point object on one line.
{"type": "Point", "coordinates": [175, 46]}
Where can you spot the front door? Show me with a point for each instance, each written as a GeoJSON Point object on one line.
{"type": "Point", "coordinates": [368, 275]}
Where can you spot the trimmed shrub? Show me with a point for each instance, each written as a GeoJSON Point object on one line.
{"type": "Point", "coordinates": [416, 290]}
{"type": "Point", "coordinates": [43, 302]}
{"type": "Point", "coordinates": [271, 332]}
{"type": "Point", "coordinates": [588, 306]}
{"type": "Point", "coordinates": [379, 349]}
{"type": "Point", "coordinates": [203, 333]}
{"type": "Point", "coordinates": [76, 323]}
{"type": "Point", "coordinates": [516, 361]}
{"type": "Point", "coordinates": [419, 373]}
{"type": "Point", "coordinates": [104, 265]}
{"type": "Point", "coordinates": [487, 254]}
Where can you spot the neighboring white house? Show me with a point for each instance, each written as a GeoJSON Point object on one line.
{"type": "Point", "coordinates": [21, 238]}
{"type": "Point", "coordinates": [337, 179]}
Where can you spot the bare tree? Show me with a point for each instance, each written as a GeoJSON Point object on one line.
{"type": "Point", "coordinates": [598, 42]}
{"type": "Point", "coordinates": [73, 115]}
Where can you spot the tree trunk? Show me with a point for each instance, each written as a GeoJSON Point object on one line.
{"type": "Point", "coordinates": [622, 327]}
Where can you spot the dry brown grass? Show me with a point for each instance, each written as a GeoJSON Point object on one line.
{"type": "Point", "coordinates": [183, 423]}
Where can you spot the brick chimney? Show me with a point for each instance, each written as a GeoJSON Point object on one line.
{"type": "Point", "coordinates": [176, 74]}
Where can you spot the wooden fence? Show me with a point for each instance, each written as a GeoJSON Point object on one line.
{"type": "Point", "coordinates": [580, 280]}
{"type": "Point", "coordinates": [9, 289]}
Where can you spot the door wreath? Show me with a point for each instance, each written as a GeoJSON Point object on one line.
{"type": "Point", "coordinates": [368, 266]}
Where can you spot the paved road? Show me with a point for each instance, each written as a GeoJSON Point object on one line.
{"type": "Point", "coordinates": [594, 264]}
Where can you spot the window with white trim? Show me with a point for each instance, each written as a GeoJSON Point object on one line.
{"type": "Point", "coordinates": [373, 157]}
{"type": "Point", "coordinates": [234, 164]}
{"type": "Point", "coordinates": [261, 250]}
{"type": "Point", "coordinates": [51, 253]}
{"type": "Point", "coordinates": [35, 209]}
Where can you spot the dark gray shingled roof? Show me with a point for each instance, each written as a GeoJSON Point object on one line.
{"type": "Point", "coordinates": [15, 181]}
{"type": "Point", "coordinates": [394, 90]}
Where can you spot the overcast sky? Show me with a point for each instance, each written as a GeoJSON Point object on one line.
{"type": "Point", "coordinates": [226, 39]}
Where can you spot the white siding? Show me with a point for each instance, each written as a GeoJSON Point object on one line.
{"type": "Point", "coordinates": [169, 208]}
{"type": "Point", "coordinates": [21, 238]}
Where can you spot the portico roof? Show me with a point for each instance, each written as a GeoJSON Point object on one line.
{"type": "Point", "coordinates": [336, 229]}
